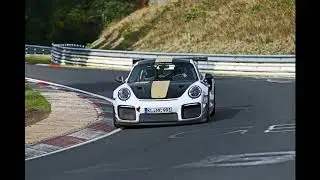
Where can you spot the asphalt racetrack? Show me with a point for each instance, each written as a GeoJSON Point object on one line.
{"type": "Point", "coordinates": [251, 137]}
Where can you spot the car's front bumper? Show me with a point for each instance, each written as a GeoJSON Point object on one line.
{"type": "Point", "coordinates": [163, 121]}
{"type": "Point", "coordinates": [176, 117]}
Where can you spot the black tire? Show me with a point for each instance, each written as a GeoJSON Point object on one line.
{"type": "Point", "coordinates": [214, 102]}
{"type": "Point", "coordinates": [207, 118]}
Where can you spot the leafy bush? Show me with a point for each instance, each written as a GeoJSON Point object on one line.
{"type": "Point", "coordinates": [38, 59]}
{"type": "Point", "coordinates": [69, 21]}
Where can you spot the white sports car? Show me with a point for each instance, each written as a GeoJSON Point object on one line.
{"type": "Point", "coordinates": [164, 91]}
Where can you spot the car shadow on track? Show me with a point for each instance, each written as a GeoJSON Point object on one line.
{"type": "Point", "coordinates": [222, 113]}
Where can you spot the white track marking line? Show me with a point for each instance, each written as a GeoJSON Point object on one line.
{"type": "Point", "coordinates": [76, 145]}
{"type": "Point", "coordinates": [281, 128]}
{"type": "Point", "coordinates": [74, 89]}
{"type": "Point", "coordinates": [237, 131]}
{"type": "Point", "coordinates": [280, 80]}
{"type": "Point", "coordinates": [246, 159]}
{"type": "Point", "coordinates": [87, 134]}
{"type": "Point", "coordinates": [42, 65]}
{"type": "Point", "coordinates": [83, 143]}
{"type": "Point", "coordinates": [240, 129]}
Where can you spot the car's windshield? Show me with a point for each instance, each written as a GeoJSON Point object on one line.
{"type": "Point", "coordinates": [177, 71]}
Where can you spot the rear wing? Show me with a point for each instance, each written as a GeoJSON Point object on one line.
{"type": "Point", "coordinates": [163, 58]}
{"type": "Point", "coordinates": [195, 58]}
{"type": "Point", "coordinates": [135, 60]}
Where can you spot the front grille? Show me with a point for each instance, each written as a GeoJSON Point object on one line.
{"type": "Point", "coordinates": [126, 113]}
{"type": "Point", "coordinates": [191, 111]}
{"type": "Point", "coordinates": [165, 117]}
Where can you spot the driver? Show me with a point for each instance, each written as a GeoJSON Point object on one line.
{"type": "Point", "coordinates": [179, 71]}
{"type": "Point", "coordinates": [148, 74]}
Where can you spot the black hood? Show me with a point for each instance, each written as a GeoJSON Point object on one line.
{"type": "Point", "coordinates": [174, 90]}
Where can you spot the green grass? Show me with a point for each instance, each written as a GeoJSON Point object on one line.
{"type": "Point", "coordinates": [38, 59]}
{"type": "Point", "coordinates": [206, 26]}
{"type": "Point", "coordinates": [34, 101]}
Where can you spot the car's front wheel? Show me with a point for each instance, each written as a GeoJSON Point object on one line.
{"type": "Point", "coordinates": [208, 115]}
{"type": "Point", "coordinates": [214, 102]}
{"type": "Point", "coordinates": [211, 114]}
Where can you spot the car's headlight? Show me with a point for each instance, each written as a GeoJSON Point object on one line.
{"type": "Point", "coordinates": [194, 91]}
{"type": "Point", "coordinates": [124, 94]}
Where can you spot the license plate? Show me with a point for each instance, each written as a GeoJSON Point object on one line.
{"type": "Point", "coordinates": [158, 110]}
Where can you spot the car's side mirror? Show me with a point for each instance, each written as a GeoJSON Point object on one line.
{"type": "Point", "coordinates": [208, 76]}
{"type": "Point", "coordinates": [119, 79]}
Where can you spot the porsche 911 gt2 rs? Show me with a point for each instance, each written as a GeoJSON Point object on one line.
{"type": "Point", "coordinates": [164, 91]}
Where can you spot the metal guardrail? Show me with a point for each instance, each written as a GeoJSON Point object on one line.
{"type": "Point", "coordinates": [277, 65]}
{"type": "Point", "coordinates": [35, 49]}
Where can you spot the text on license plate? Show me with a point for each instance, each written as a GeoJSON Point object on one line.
{"type": "Point", "coordinates": [158, 110]}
